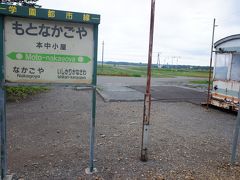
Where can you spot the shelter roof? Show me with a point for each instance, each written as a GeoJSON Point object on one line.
{"type": "Point", "coordinates": [226, 39]}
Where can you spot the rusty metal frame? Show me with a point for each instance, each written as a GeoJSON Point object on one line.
{"type": "Point", "coordinates": [147, 97]}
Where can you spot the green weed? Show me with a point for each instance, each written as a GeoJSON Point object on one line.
{"type": "Point", "coordinates": [19, 93]}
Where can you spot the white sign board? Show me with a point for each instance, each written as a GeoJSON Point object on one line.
{"type": "Point", "coordinates": [42, 51]}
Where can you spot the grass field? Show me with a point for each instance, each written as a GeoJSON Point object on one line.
{"type": "Point", "coordinates": [200, 82]}
{"type": "Point", "coordinates": [134, 71]}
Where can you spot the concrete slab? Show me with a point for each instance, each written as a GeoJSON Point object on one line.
{"type": "Point", "coordinates": [119, 93]}
{"type": "Point", "coordinates": [9, 177]}
{"type": "Point", "coordinates": [175, 94]}
{"type": "Point", "coordinates": [163, 89]}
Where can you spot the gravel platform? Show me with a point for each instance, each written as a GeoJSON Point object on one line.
{"type": "Point", "coordinates": [48, 139]}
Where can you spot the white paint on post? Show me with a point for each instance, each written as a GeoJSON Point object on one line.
{"type": "Point", "coordinates": [145, 137]}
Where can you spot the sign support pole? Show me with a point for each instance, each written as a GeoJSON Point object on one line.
{"type": "Point", "coordinates": [3, 133]}
{"type": "Point", "coordinates": [92, 132]}
{"type": "Point", "coordinates": [2, 107]}
{"type": "Point", "coordinates": [91, 169]}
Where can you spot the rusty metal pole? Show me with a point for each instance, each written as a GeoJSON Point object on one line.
{"type": "Point", "coordinates": [210, 66]}
{"type": "Point", "coordinates": [147, 97]}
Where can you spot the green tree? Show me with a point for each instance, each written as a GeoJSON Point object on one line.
{"type": "Point", "coordinates": [29, 3]}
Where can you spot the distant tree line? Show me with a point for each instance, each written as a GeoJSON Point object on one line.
{"type": "Point", "coordinates": [29, 3]}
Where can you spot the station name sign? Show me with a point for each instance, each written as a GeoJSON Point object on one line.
{"type": "Point", "coordinates": [48, 46]}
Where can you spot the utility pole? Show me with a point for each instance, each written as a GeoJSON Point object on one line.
{"type": "Point", "coordinates": [147, 97]}
{"type": "Point", "coordinates": [210, 66]}
{"type": "Point", "coordinates": [178, 57]}
{"type": "Point", "coordinates": [158, 60]}
{"type": "Point", "coordinates": [102, 53]}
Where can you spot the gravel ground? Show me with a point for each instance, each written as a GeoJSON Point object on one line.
{"type": "Point", "coordinates": [48, 139]}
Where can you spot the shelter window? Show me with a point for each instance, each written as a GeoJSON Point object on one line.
{"type": "Point", "coordinates": [221, 66]}
{"type": "Point", "coordinates": [235, 71]}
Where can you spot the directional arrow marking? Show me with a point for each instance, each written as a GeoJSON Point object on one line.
{"type": "Point", "coordinates": [48, 57]}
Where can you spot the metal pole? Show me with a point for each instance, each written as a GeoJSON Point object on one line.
{"type": "Point", "coordinates": [3, 133]}
{"type": "Point", "coordinates": [91, 169]}
{"type": "Point", "coordinates": [147, 97]}
{"type": "Point", "coordinates": [92, 130]}
{"type": "Point", "coordinates": [2, 106]}
{"type": "Point", "coordinates": [235, 139]}
{"type": "Point", "coordinates": [210, 66]}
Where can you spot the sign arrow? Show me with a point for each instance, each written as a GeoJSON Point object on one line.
{"type": "Point", "coordinates": [48, 57]}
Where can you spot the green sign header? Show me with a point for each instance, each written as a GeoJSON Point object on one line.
{"type": "Point", "coordinates": [49, 14]}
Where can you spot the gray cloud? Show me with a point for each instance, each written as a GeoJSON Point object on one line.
{"type": "Point", "coordinates": [182, 28]}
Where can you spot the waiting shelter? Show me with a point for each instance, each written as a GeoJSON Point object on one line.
{"type": "Point", "coordinates": [226, 74]}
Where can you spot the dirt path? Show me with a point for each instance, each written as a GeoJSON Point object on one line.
{"type": "Point", "coordinates": [48, 139]}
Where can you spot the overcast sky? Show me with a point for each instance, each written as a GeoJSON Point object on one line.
{"type": "Point", "coordinates": [183, 28]}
